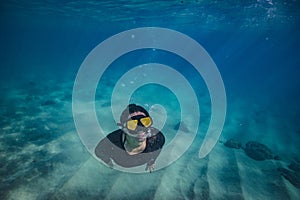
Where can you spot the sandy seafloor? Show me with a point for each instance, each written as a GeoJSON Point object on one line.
{"type": "Point", "coordinates": [44, 158]}
{"type": "Point", "coordinates": [256, 51]}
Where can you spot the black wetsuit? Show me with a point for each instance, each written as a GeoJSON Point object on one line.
{"type": "Point", "coordinates": [112, 147]}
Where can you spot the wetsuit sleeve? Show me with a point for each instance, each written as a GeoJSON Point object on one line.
{"type": "Point", "coordinates": [103, 150]}
{"type": "Point", "coordinates": [159, 141]}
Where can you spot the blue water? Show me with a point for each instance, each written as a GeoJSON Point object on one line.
{"type": "Point", "coordinates": [255, 45]}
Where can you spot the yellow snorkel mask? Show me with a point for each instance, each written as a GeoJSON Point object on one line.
{"type": "Point", "coordinates": [132, 124]}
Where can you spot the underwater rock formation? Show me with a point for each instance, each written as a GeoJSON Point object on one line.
{"type": "Point", "coordinates": [253, 149]}
{"type": "Point", "coordinates": [294, 166]}
{"type": "Point", "coordinates": [258, 151]}
{"type": "Point", "coordinates": [232, 143]}
{"type": "Point", "coordinates": [292, 176]}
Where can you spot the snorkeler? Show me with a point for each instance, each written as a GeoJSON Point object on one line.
{"type": "Point", "coordinates": [135, 144]}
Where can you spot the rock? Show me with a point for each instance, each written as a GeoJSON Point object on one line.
{"type": "Point", "coordinates": [258, 151]}
{"type": "Point", "coordinates": [292, 177]}
{"type": "Point", "coordinates": [294, 166]}
{"type": "Point", "coordinates": [232, 143]}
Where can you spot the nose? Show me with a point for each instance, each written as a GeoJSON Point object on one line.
{"type": "Point", "coordinates": [140, 127]}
